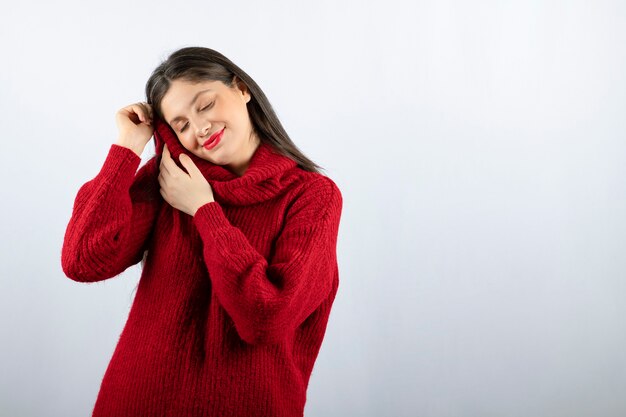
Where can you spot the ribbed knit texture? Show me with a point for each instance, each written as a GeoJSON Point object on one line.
{"type": "Point", "coordinates": [232, 304]}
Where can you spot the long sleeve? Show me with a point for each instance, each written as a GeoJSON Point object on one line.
{"type": "Point", "coordinates": [112, 217]}
{"type": "Point", "coordinates": [268, 299]}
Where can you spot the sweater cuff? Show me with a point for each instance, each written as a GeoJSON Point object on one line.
{"type": "Point", "coordinates": [210, 217]}
{"type": "Point", "coordinates": [120, 166]}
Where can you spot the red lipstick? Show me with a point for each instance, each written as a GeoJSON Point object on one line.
{"type": "Point", "coordinates": [212, 141]}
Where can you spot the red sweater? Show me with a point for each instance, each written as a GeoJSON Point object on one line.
{"type": "Point", "coordinates": [232, 304]}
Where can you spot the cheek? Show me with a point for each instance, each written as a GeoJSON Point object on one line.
{"type": "Point", "coordinates": [226, 112]}
{"type": "Point", "coordinates": [187, 141]}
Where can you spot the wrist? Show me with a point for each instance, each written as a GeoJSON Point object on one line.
{"type": "Point", "coordinates": [202, 205]}
{"type": "Point", "coordinates": [138, 151]}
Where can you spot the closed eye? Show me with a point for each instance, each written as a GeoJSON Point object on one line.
{"type": "Point", "coordinates": [202, 109]}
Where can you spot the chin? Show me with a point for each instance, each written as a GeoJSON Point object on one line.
{"type": "Point", "coordinates": [217, 160]}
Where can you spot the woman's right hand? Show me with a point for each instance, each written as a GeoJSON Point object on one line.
{"type": "Point", "coordinates": [134, 123]}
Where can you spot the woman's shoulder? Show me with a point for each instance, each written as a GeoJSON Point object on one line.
{"type": "Point", "coordinates": [313, 183]}
{"type": "Point", "coordinates": [315, 192]}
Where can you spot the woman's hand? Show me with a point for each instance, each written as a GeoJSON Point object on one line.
{"type": "Point", "coordinates": [134, 123]}
{"type": "Point", "coordinates": [185, 192]}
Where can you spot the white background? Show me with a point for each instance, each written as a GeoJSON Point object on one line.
{"type": "Point", "coordinates": [480, 149]}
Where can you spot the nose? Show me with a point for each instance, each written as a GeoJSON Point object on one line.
{"type": "Point", "coordinates": [202, 128]}
{"type": "Point", "coordinates": [202, 132]}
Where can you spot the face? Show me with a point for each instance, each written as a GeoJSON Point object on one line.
{"type": "Point", "coordinates": [197, 110]}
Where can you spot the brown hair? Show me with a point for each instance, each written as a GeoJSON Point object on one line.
{"type": "Point", "coordinates": [196, 64]}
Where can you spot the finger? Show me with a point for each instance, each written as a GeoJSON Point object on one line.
{"type": "Point", "coordinates": [138, 110]}
{"type": "Point", "coordinates": [163, 167]}
{"type": "Point", "coordinates": [162, 182]}
{"type": "Point", "coordinates": [141, 111]}
{"type": "Point", "coordinates": [188, 163]}
{"type": "Point", "coordinates": [131, 113]}
{"type": "Point", "coordinates": [168, 163]}
{"type": "Point", "coordinates": [147, 112]}
{"type": "Point", "coordinates": [167, 153]}
{"type": "Point", "coordinates": [165, 159]}
{"type": "Point", "coordinates": [143, 114]}
{"type": "Point", "coordinates": [163, 195]}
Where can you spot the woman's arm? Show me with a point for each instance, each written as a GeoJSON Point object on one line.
{"type": "Point", "coordinates": [269, 300]}
{"type": "Point", "coordinates": [112, 217]}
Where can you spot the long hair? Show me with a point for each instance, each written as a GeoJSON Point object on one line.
{"type": "Point", "coordinates": [197, 64]}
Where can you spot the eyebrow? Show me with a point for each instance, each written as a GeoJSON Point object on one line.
{"type": "Point", "coordinates": [177, 118]}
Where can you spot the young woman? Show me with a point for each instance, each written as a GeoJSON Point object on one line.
{"type": "Point", "coordinates": [237, 231]}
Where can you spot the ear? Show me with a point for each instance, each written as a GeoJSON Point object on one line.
{"type": "Point", "coordinates": [243, 89]}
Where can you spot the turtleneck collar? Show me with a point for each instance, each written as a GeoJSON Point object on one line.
{"type": "Point", "coordinates": [263, 179]}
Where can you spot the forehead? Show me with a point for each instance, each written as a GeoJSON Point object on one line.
{"type": "Point", "coordinates": [182, 86]}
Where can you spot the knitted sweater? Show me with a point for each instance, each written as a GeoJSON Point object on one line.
{"type": "Point", "coordinates": [232, 304]}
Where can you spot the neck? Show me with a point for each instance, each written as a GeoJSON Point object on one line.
{"type": "Point", "coordinates": [240, 166]}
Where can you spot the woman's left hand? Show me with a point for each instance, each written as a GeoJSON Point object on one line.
{"type": "Point", "coordinates": [185, 192]}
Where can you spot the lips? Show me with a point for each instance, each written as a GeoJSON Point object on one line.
{"type": "Point", "coordinates": [215, 136]}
